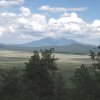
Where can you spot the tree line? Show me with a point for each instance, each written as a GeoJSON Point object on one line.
{"type": "Point", "coordinates": [42, 80]}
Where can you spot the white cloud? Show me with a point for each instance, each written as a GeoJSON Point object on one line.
{"type": "Point", "coordinates": [35, 22]}
{"type": "Point", "coordinates": [25, 11]}
{"type": "Point", "coordinates": [11, 28]}
{"type": "Point", "coordinates": [23, 20]}
{"type": "Point", "coordinates": [7, 14]}
{"type": "Point", "coordinates": [73, 27]}
{"type": "Point", "coordinates": [10, 2]}
{"type": "Point", "coordinates": [27, 26]}
{"type": "Point", "coordinates": [38, 22]}
{"type": "Point", "coordinates": [71, 23]}
{"type": "Point", "coordinates": [65, 15]}
{"type": "Point", "coordinates": [61, 9]}
{"type": "Point", "coordinates": [26, 37]}
{"type": "Point", "coordinates": [96, 23]}
{"type": "Point", "coordinates": [52, 9]}
{"type": "Point", "coordinates": [2, 30]}
{"type": "Point", "coordinates": [77, 9]}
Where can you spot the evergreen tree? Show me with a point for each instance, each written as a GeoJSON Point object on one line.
{"type": "Point", "coordinates": [60, 87]}
{"type": "Point", "coordinates": [10, 84]}
{"type": "Point", "coordinates": [86, 80]}
{"type": "Point", "coordinates": [83, 83]}
{"type": "Point", "coordinates": [39, 74]}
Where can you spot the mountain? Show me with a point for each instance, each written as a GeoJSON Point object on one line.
{"type": "Point", "coordinates": [59, 44]}
{"type": "Point", "coordinates": [74, 48]}
{"type": "Point", "coordinates": [50, 42]}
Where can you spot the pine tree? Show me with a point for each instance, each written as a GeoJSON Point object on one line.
{"type": "Point", "coordinates": [39, 74]}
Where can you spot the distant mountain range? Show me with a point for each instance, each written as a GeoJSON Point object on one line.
{"type": "Point", "coordinates": [50, 42]}
{"type": "Point", "coordinates": [59, 44]}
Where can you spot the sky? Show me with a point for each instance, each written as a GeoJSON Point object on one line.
{"type": "Point", "coordinates": [23, 21]}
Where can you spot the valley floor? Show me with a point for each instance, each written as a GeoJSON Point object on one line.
{"type": "Point", "coordinates": [66, 62]}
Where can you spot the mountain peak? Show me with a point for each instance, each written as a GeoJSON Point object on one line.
{"type": "Point", "coordinates": [51, 42]}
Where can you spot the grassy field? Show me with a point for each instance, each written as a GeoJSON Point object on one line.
{"type": "Point", "coordinates": [66, 62]}
{"type": "Point", "coordinates": [13, 59]}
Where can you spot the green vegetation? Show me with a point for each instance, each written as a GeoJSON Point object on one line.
{"type": "Point", "coordinates": [18, 58]}
{"type": "Point", "coordinates": [39, 80]}
{"type": "Point", "coordinates": [66, 62]}
{"type": "Point", "coordinates": [46, 77]}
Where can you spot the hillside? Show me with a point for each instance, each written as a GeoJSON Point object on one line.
{"type": "Point", "coordinates": [74, 48]}
{"type": "Point", "coordinates": [50, 42]}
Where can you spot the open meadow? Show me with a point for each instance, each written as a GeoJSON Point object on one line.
{"type": "Point", "coordinates": [66, 62]}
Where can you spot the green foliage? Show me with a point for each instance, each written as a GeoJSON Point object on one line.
{"type": "Point", "coordinates": [40, 80]}
{"type": "Point", "coordinates": [60, 87]}
{"type": "Point", "coordinates": [86, 80]}
{"type": "Point", "coordinates": [92, 55]}
{"type": "Point", "coordinates": [9, 84]}
{"type": "Point", "coordinates": [39, 73]}
{"type": "Point", "coordinates": [83, 82]}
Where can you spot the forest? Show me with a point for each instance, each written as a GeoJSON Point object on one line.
{"type": "Point", "coordinates": [41, 79]}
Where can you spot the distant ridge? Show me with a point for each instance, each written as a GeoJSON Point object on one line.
{"type": "Point", "coordinates": [50, 42]}
{"type": "Point", "coordinates": [73, 48]}
{"type": "Point", "coordinates": [61, 45]}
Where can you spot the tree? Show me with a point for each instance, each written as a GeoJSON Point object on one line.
{"type": "Point", "coordinates": [92, 55]}
{"type": "Point", "coordinates": [10, 84]}
{"type": "Point", "coordinates": [60, 87]}
{"type": "Point", "coordinates": [83, 83]}
{"type": "Point", "coordinates": [39, 74]}
{"type": "Point", "coordinates": [86, 80]}
{"type": "Point", "coordinates": [96, 69]}
{"type": "Point", "coordinates": [40, 80]}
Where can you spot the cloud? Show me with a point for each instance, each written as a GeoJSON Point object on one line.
{"type": "Point", "coordinates": [27, 26]}
{"type": "Point", "coordinates": [10, 2]}
{"type": "Point", "coordinates": [7, 14]}
{"type": "Point", "coordinates": [25, 11]}
{"type": "Point", "coordinates": [2, 30]}
{"type": "Point", "coordinates": [71, 23]}
{"type": "Point", "coordinates": [35, 22]}
{"type": "Point", "coordinates": [73, 27]}
{"type": "Point", "coordinates": [61, 9]}
{"type": "Point", "coordinates": [27, 37]}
